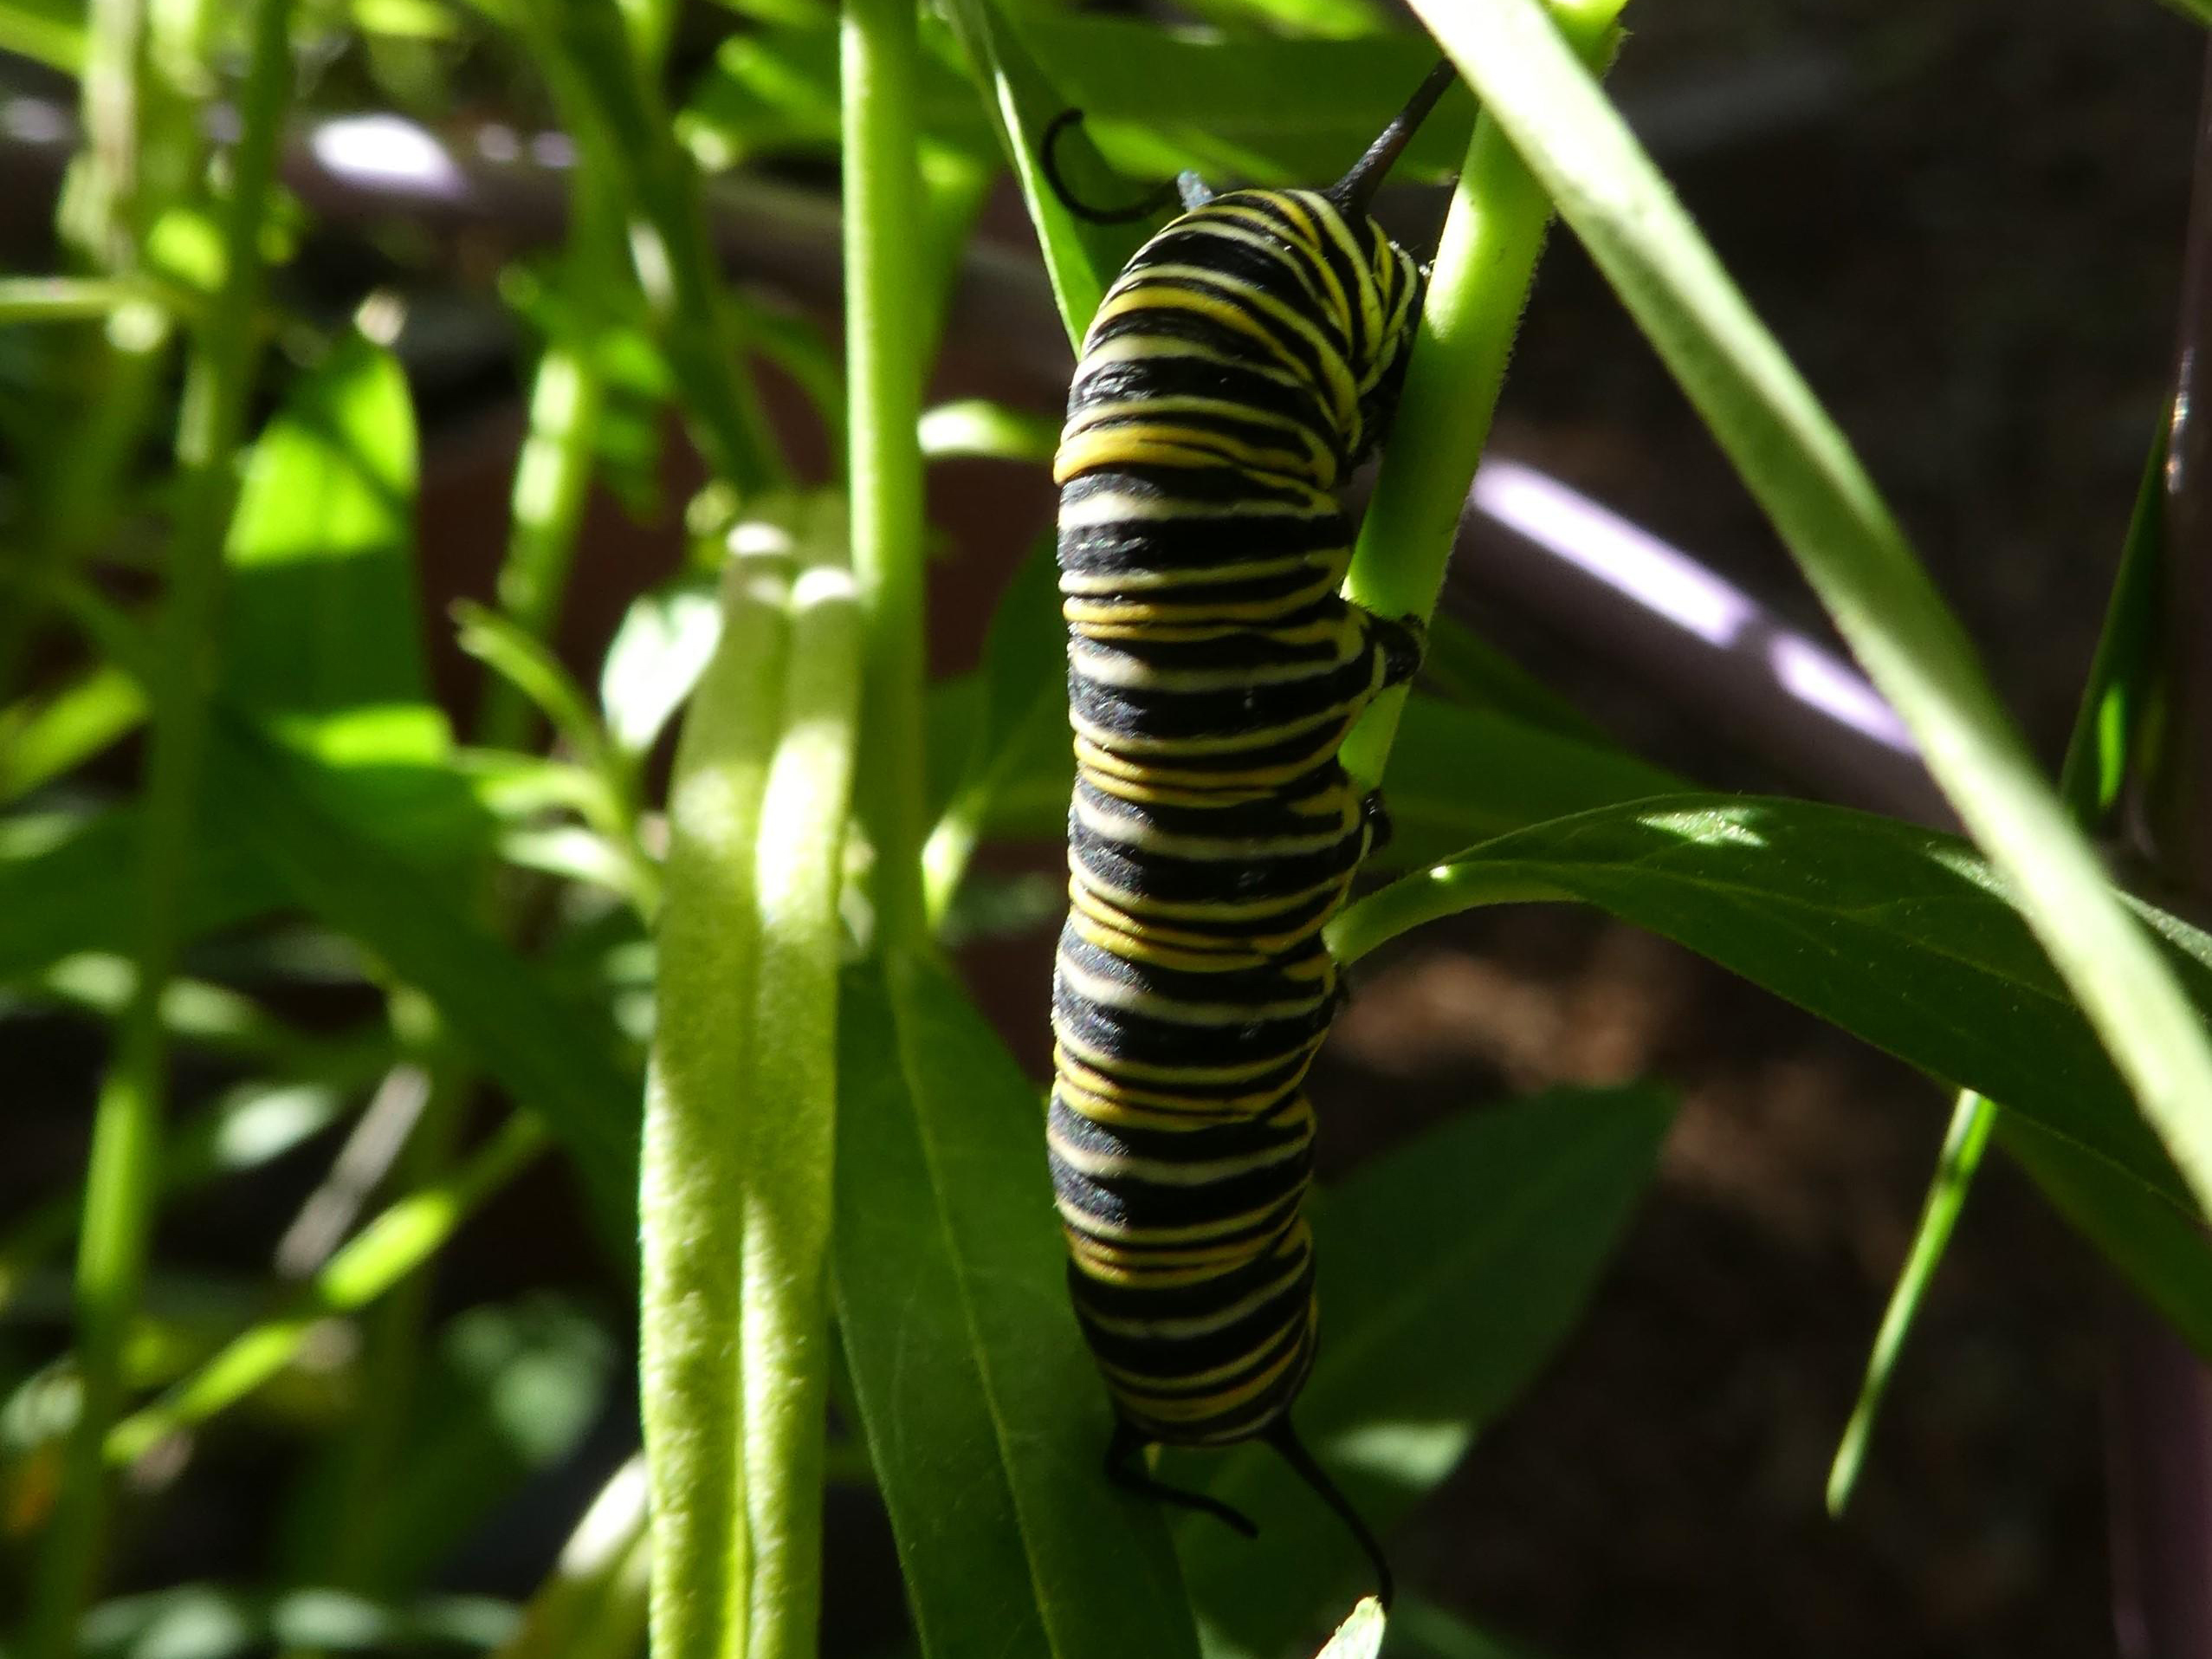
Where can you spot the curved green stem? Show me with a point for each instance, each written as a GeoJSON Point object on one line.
{"type": "Point", "coordinates": [1486, 262]}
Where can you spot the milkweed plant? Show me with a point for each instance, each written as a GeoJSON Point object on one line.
{"type": "Point", "coordinates": [680, 934]}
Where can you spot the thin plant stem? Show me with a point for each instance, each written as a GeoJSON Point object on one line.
{"type": "Point", "coordinates": [884, 331]}
{"type": "Point", "coordinates": [125, 1165]}
{"type": "Point", "coordinates": [1485, 260]}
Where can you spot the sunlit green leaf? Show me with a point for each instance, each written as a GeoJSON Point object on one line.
{"type": "Point", "coordinates": [984, 1419]}
{"type": "Point", "coordinates": [1449, 1271]}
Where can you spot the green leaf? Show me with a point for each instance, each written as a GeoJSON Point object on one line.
{"type": "Point", "coordinates": [1450, 1270]}
{"type": "Point", "coordinates": [1902, 936]}
{"type": "Point", "coordinates": [985, 1421]}
{"type": "Point", "coordinates": [1081, 258]}
{"type": "Point", "coordinates": [321, 613]}
{"type": "Point", "coordinates": [1459, 774]}
{"type": "Point", "coordinates": [1017, 740]}
{"type": "Point", "coordinates": [1162, 101]}
{"type": "Point", "coordinates": [2160, 1249]}
{"type": "Point", "coordinates": [1460, 665]}
{"type": "Point", "coordinates": [1803, 473]}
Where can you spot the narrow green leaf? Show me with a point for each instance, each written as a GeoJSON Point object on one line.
{"type": "Point", "coordinates": [1900, 935]}
{"type": "Point", "coordinates": [321, 614]}
{"type": "Point", "coordinates": [984, 1418]}
{"type": "Point", "coordinates": [1081, 258]}
{"type": "Point", "coordinates": [41, 738]}
{"type": "Point", "coordinates": [1802, 471]}
{"type": "Point", "coordinates": [1972, 1119]}
{"type": "Point", "coordinates": [1450, 1270]}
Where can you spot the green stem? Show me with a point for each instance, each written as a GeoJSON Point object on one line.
{"type": "Point", "coordinates": [125, 1155]}
{"type": "Point", "coordinates": [553, 481]}
{"type": "Point", "coordinates": [690, 1310]}
{"type": "Point", "coordinates": [1485, 260]}
{"type": "Point", "coordinates": [884, 331]}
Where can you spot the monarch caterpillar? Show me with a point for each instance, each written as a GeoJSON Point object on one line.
{"type": "Point", "coordinates": [1245, 359]}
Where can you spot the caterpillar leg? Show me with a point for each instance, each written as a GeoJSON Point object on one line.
{"type": "Point", "coordinates": [1401, 641]}
{"type": "Point", "coordinates": [1375, 822]}
{"type": "Point", "coordinates": [1125, 1468]}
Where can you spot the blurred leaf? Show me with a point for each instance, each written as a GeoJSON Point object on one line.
{"type": "Point", "coordinates": [2197, 11]}
{"type": "Point", "coordinates": [395, 1243]}
{"type": "Point", "coordinates": [593, 1604]}
{"type": "Point", "coordinates": [512, 1392]}
{"type": "Point", "coordinates": [2160, 1248]}
{"type": "Point", "coordinates": [1902, 936]}
{"type": "Point", "coordinates": [59, 891]}
{"type": "Point", "coordinates": [1450, 1270]}
{"type": "Point", "coordinates": [321, 612]}
{"type": "Point", "coordinates": [1360, 1637]}
{"type": "Point", "coordinates": [976, 426]}
{"type": "Point", "coordinates": [210, 1622]}
{"type": "Point", "coordinates": [51, 32]}
{"type": "Point", "coordinates": [42, 738]}
{"type": "Point", "coordinates": [984, 1419]}
{"type": "Point", "coordinates": [1462, 666]}
{"type": "Point", "coordinates": [657, 655]}
{"type": "Point", "coordinates": [1329, 19]}
{"type": "Point", "coordinates": [776, 88]}
{"type": "Point", "coordinates": [551, 1057]}
{"type": "Point", "coordinates": [1798, 465]}
{"type": "Point", "coordinates": [1022, 717]}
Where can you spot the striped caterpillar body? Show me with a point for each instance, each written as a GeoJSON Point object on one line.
{"type": "Point", "coordinates": [1241, 365]}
